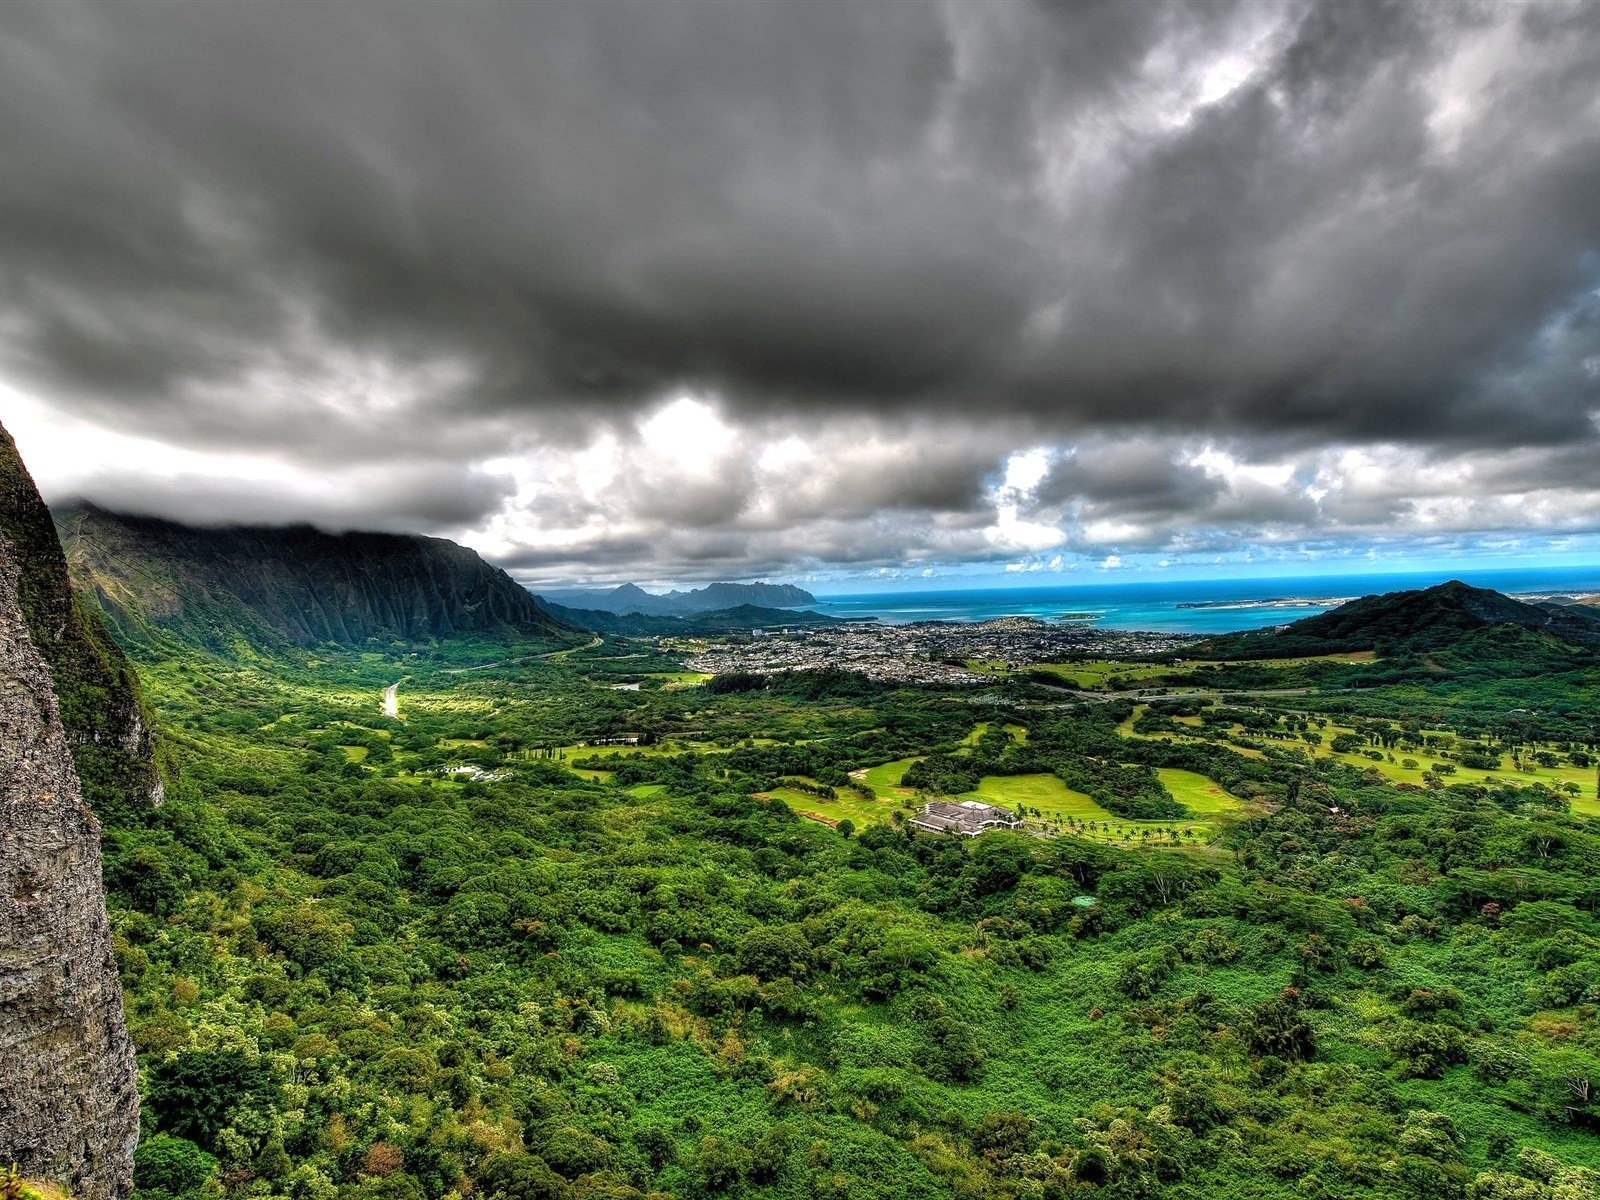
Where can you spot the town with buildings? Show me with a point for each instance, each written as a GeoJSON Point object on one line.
{"type": "Point", "coordinates": [938, 652]}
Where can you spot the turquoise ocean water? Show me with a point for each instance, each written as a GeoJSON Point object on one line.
{"type": "Point", "coordinates": [1203, 606]}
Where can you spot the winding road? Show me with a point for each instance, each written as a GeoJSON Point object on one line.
{"type": "Point", "coordinates": [391, 702]}
{"type": "Point", "coordinates": [511, 662]}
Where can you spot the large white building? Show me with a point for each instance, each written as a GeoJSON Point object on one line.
{"type": "Point", "coordinates": [969, 818]}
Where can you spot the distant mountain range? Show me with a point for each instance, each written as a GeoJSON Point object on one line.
{"type": "Point", "coordinates": [740, 619]}
{"type": "Point", "coordinates": [232, 586]}
{"type": "Point", "coordinates": [267, 587]}
{"type": "Point", "coordinates": [714, 597]}
{"type": "Point", "coordinates": [1410, 622]}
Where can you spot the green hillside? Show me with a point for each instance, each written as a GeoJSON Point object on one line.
{"type": "Point", "coordinates": [1408, 622]}
{"type": "Point", "coordinates": [482, 946]}
{"type": "Point", "coordinates": [237, 590]}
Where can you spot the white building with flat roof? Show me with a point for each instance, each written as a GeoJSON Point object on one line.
{"type": "Point", "coordinates": [968, 818]}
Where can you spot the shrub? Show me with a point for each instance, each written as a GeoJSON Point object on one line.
{"type": "Point", "coordinates": [718, 1164]}
{"type": "Point", "coordinates": [772, 952]}
{"type": "Point", "coordinates": [520, 1177]}
{"type": "Point", "coordinates": [195, 1094]}
{"type": "Point", "coordinates": [1278, 1026]}
{"type": "Point", "coordinates": [171, 1165]}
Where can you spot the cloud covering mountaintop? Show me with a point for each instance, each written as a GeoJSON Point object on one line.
{"type": "Point", "coordinates": [708, 290]}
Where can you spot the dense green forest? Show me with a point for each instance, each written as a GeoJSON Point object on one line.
{"type": "Point", "coordinates": [469, 951]}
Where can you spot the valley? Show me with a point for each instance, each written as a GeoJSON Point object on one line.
{"type": "Point", "coordinates": [453, 898]}
{"type": "Point", "coordinates": [681, 939]}
{"type": "Point", "coordinates": [705, 600]}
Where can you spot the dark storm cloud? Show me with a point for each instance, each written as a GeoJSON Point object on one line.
{"type": "Point", "coordinates": [402, 498]}
{"type": "Point", "coordinates": [364, 236]}
{"type": "Point", "coordinates": [1142, 479]}
{"type": "Point", "coordinates": [850, 204]}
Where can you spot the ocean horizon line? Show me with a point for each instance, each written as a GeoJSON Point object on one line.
{"type": "Point", "coordinates": [1182, 606]}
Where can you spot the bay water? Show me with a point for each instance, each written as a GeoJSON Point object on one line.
{"type": "Point", "coordinates": [1191, 606]}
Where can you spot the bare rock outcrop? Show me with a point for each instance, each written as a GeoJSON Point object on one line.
{"type": "Point", "coordinates": [96, 688]}
{"type": "Point", "coordinates": [69, 1105]}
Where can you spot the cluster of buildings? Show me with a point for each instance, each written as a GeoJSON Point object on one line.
{"type": "Point", "coordinates": [925, 652]}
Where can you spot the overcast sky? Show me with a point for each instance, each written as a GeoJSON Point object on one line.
{"type": "Point", "coordinates": [683, 290]}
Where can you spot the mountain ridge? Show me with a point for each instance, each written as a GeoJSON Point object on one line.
{"type": "Point", "coordinates": [630, 598]}
{"type": "Point", "coordinates": [274, 587]}
{"type": "Point", "coordinates": [1414, 621]}
{"type": "Point", "coordinates": [738, 619]}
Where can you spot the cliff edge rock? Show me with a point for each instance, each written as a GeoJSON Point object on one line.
{"type": "Point", "coordinates": [69, 1104]}
{"type": "Point", "coordinates": [97, 692]}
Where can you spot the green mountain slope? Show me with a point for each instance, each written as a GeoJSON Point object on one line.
{"type": "Point", "coordinates": [234, 587]}
{"type": "Point", "coordinates": [1408, 622]}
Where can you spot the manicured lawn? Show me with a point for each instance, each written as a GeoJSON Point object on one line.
{"type": "Point", "coordinates": [1351, 656]}
{"type": "Point", "coordinates": [1047, 793]}
{"type": "Point", "coordinates": [885, 779]}
{"type": "Point", "coordinates": [1057, 802]}
{"type": "Point", "coordinates": [1092, 675]}
{"type": "Point", "coordinates": [1095, 674]}
{"type": "Point", "coordinates": [1197, 793]}
{"type": "Point", "coordinates": [860, 811]}
{"type": "Point", "coordinates": [665, 747]}
{"type": "Point", "coordinates": [1585, 803]}
{"type": "Point", "coordinates": [1019, 733]}
{"type": "Point", "coordinates": [1060, 808]}
{"type": "Point", "coordinates": [678, 679]}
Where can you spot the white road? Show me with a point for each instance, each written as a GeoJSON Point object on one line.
{"type": "Point", "coordinates": [391, 703]}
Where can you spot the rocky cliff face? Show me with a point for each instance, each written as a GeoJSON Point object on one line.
{"type": "Point", "coordinates": [222, 588]}
{"type": "Point", "coordinates": [68, 1102]}
{"type": "Point", "coordinates": [96, 689]}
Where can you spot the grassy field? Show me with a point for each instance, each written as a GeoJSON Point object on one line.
{"type": "Point", "coordinates": [1349, 656]}
{"type": "Point", "coordinates": [1096, 674]}
{"type": "Point", "coordinates": [1018, 732]}
{"type": "Point", "coordinates": [1047, 793]}
{"type": "Point", "coordinates": [1556, 777]}
{"type": "Point", "coordinates": [673, 680]}
{"type": "Point", "coordinates": [1197, 793]}
{"type": "Point", "coordinates": [1059, 808]}
{"type": "Point", "coordinates": [859, 810]}
{"type": "Point", "coordinates": [885, 779]}
{"type": "Point", "coordinates": [1585, 803]}
{"type": "Point", "coordinates": [1057, 803]}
